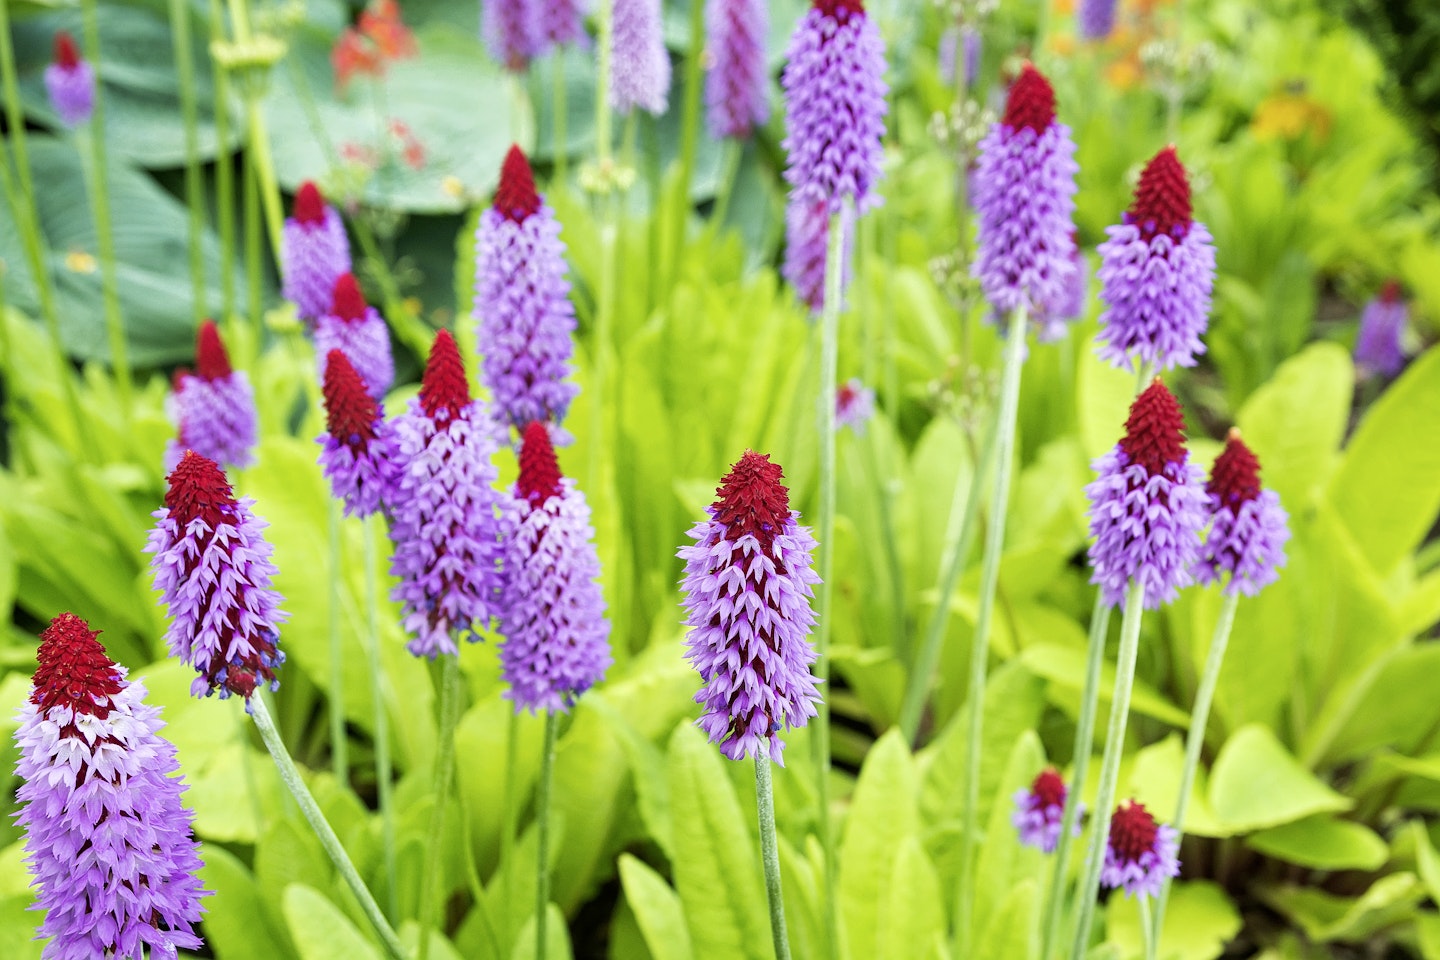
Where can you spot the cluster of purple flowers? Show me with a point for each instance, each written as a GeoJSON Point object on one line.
{"type": "Point", "coordinates": [518, 31]}
{"type": "Point", "coordinates": [213, 408]}
{"type": "Point", "coordinates": [70, 81]}
{"type": "Point", "coordinates": [356, 329]}
{"type": "Point", "coordinates": [314, 252]}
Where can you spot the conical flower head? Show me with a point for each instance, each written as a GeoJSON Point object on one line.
{"type": "Point", "coordinates": [1140, 853]}
{"type": "Point", "coordinates": [834, 105]}
{"type": "Point", "coordinates": [1024, 189]}
{"type": "Point", "coordinates": [212, 567]}
{"type": "Point", "coordinates": [70, 81]}
{"type": "Point", "coordinates": [213, 408]}
{"type": "Point", "coordinates": [1147, 506]}
{"type": "Point", "coordinates": [443, 516]}
{"type": "Point", "coordinates": [747, 590]}
{"type": "Point", "coordinates": [357, 451]}
{"type": "Point", "coordinates": [562, 22]}
{"type": "Point", "coordinates": [641, 76]}
{"type": "Point", "coordinates": [355, 328]}
{"type": "Point", "coordinates": [106, 837]}
{"type": "Point", "coordinates": [1379, 346]}
{"type": "Point", "coordinates": [552, 614]}
{"type": "Point", "coordinates": [1096, 18]}
{"type": "Point", "coordinates": [314, 251]}
{"type": "Point", "coordinates": [512, 31]}
{"type": "Point", "coordinates": [1040, 810]}
{"type": "Point", "coordinates": [522, 302]}
{"type": "Point", "coordinates": [736, 84]}
{"type": "Point", "coordinates": [1249, 527]}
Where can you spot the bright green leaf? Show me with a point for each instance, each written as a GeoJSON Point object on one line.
{"type": "Point", "coordinates": [657, 910]}
{"type": "Point", "coordinates": [882, 815]}
{"type": "Point", "coordinates": [1324, 843]}
{"type": "Point", "coordinates": [320, 930]}
{"type": "Point", "coordinates": [1199, 920]}
{"type": "Point", "coordinates": [1256, 783]}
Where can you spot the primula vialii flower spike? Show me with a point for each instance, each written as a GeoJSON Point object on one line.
{"type": "Point", "coordinates": [1147, 506]}
{"type": "Point", "coordinates": [1096, 18]}
{"type": "Point", "coordinates": [641, 63]}
{"type": "Point", "coordinates": [737, 82]}
{"type": "Point", "coordinates": [807, 225]}
{"type": "Point", "coordinates": [1140, 853]}
{"type": "Point", "coordinates": [443, 515]}
{"type": "Point", "coordinates": [1249, 529]}
{"type": "Point", "coordinates": [1379, 346]}
{"type": "Point", "coordinates": [212, 567]}
{"type": "Point", "coordinates": [1156, 274]}
{"type": "Point", "coordinates": [106, 837]}
{"type": "Point", "coordinates": [213, 408]}
{"type": "Point", "coordinates": [314, 252]}
{"type": "Point", "coordinates": [358, 451]}
{"type": "Point", "coordinates": [747, 585]}
{"type": "Point", "coordinates": [70, 81]}
{"type": "Point", "coordinates": [512, 32]}
{"type": "Point", "coordinates": [354, 327]}
{"type": "Point", "coordinates": [552, 614]}
{"type": "Point", "coordinates": [561, 22]}
{"type": "Point", "coordinates": [854, 405]}
{"type": "Point", "coordinates": [522, 303]}
{"type": "Point", "coordinates": [1040, 809]}
{"type": "Point", "coordinates": [1025, 174]}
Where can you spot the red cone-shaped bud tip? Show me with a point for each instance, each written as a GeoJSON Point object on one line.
{"type": "Point", "coordinates": [752, 500]}
{"type": "Point", "coordinates": [1049, 788]}
{"type": "Point", "coordinates": [840, 10]}
{"type": "Point", "coordinates": [309, 204]}
{"type": "Point", "coordinates": [539, 469]}
{"type": "Point", "coordinates": [516, 198]}
{"type": "Point", "coordinates": [1132, 831]}
{"type": "Point", "coordinates": [1155, 432]}
{"type": "Point", "coordinates": [74, 669]}
{"type": "Point", "coordinates": [443, 386]}
{"type": "Point", "coordinates": [66, 54]}
{"type": "Point", "coordinates": [350, 411]}
{"type": "Point", "coordinates": [198, 488]}
{"type": "Point", "coordinates": [349, 302]}
{"type": "Point", "coordinates": [1031, 102]}
{"type": "Point", "coordinates": [211, 360]}
{"type": "Point", "coordinates": [1162, 199]}
{"type": "Point", "coordinates": [1390, 293]}
{"type": "Point", "coordinates": [1235, 477]}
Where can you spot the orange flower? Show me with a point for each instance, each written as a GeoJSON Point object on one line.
{"type": "Point", "coordinates": [354, 54]}
{"type": "Point", "coordinates": [381, 23]}
{"type": "Point", "coordinates": [1289, 115]}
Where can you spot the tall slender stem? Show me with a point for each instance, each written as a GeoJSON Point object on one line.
{"type": "Point", "coordinates": [559, 122]}
{"type": "Point", "coordinates": [1110, 765]}
{"type": "Point", "coordinates": [1195, 742]}
{"type": "Point", "coordinates": [194, 194]}
{"type": "Point", "coordinates": [339, 748]}
{"type": "Point", "coordinates": [980, 643]}
{"type": "Point", "coordinates": [770, 856]}
{"type": "Point", "coordinates": [508, 818]}
{"type": "Point", "coordinates": [542, 833]}
{"type": "Point", "coordinates": [604, 41]}
{"type": "Point", "coordinates": [384, 772]}
{"type": "Point", "coordinates": [250, 191]}
{"type": "Point", "coordinates": [224, 169]}
{"type": "Point", "coordinates": [257, 140]}
{"type": "Point", "coordinates": [729, 166]}
{"type": "Point", "coordinates": [444, 767]}
{"type": "Point", "coordinates": [290, 775]}
{"type": "Point", "coordinates": [820, 739]}
{"type": "Point", "coordinates": [900, 643]}
{"type": "Point", "coordinates": [1084, 736]}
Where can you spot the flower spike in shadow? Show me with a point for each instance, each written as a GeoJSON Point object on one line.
{"type": "Point", "coordinates": [1039, 809]}
{"type": "Point", "coordinates": [70, 81]}
{"type": "Point", "coordinates": [353, 326]}
{"type": "Point", "coordinates": [314, 252]}
{"type": "Point", "coordinates": [358, 455]}
{"type": "Point", "coordinates": [213, 408]}
{"type": "Point", "coordinates": [1249, 529]}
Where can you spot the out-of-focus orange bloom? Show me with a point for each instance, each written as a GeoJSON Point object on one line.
{"type": "Point", "coordinates": [1062, 44]}
{"type": "Point", "coordinates": [1125, 73]}
{"type": "Point", "coordinates": [354, 54]}
{"type": "Point", "coordinates": [1063, 7]}
{"type": "Point", "coordinates": [381, 23]}
{"type": "Point", "coordinates": [1289, 115]}
{"type": "Point", "coordinates": [411, 147]}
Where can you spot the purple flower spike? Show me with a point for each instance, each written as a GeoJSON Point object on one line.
{"type": "Point", "coordinates": [747, 592]}
{"type": "Point", "coordinates": [512, 32]}
{"type": "Point", "coordinates": [355, 328]}
{"type": "Point", "coordinates": [736, 95]}
{"type": "Point", "coordinates": [1023, 193]}
{"type": "Point", "coordinates": [213, 408]}
{"type": "Point", "coordinates": [1140, 853]}
{"type": "Point", "coordinates": [562, 22]}
{"type": "Point", "coordinates": [552, 615]}
{"type": "Point", "coordinates": [70, 81]}
{"type": "Point", "coordinates": [106, 837]}
{"type": "Point", "coordinates": [834, 105]}
{"type": "Point", "coordinates": [314, 252]}
{"type": "Point", "coordinates": [1147, 507]}
{"type": "Point", "coordinates": [446, 533]}
{"type": "Point", "coordinates": [213, 567]}
{"type": "Point", "coordinates": [358, 455]}
{"type": "Point", "coordinates": [641, 63]}
{"type": "Point", "coordinates": [522, 302]}
{"type": "Point", "coordinates": [1040, 810]}
{"type": "Point", "coordinates": [1156, 274]}
{"type": "Point", "coordinates": [1097, 18]}
{"type": "Point", "coordinates": [854, 405]}
{"type": "Point", "coordinates": [1378, 348]}
{"type": "Point", "coordinates": [1247, 538]}
{"type": "Point", "coordinates": [807, 226]}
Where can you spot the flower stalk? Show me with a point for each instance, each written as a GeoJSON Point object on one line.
{"type": "Point", "coordinates": [770, 856]}
{"type": "Point", "coordinates": [384, 770]}
{"type": "Point", "coordinates": [194, 196]}
{"type": "Point", "coordinates": [542, 832]}
{"type": "Point", "coordinates": [444, 767]}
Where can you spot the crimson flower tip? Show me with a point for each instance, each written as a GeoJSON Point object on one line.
{"type": "Point", "coordinates": [350, 410]}
{"type": "Point", "coordinates": [1155, 431]}
{"type": "Point", "coordinates": [539, 467]}
{"type": "Point", "coordinates": [751, 500]}
{"type": "Point", "coordinates": [515, 197]}
{"type": "Point", "coordinates": [211, 360]}
{"type": "Point", "coordinates": [309, 204]}
{"type": "Point", "coordinates": [443, 385]}
{"type": "Point", "coordinates": [348, 302]}
{"type": "Point", "coordinates": [67, 55]}
{"type": "Point", "coordinates": [74, 669]}
{"type": "Point", "coordinates": [840, 10]}
{"type": "Point", "coordinates": [198, 489]}
{"type": "Point", "coordinates": [1162, 198]}
{"type": "Point", "coordinates": [1031, 102]}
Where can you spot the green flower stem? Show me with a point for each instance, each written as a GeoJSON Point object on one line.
{"type": "Point", "coordinates": [1195, 741]}
{"type": "Point", "coordinates": [524, 129]}
{"type": "Point", "coordinates": [600, 342]}
{"type": "Point", "coordinates": [444, 767]}
{"type": "Point", "coordinates": [957, 550]}
{"type": "Point", "coordinates": [224, 170]}
{"type": "Point", "coordinates": [980, 643]}
{"type": "Point", "coordinates": [1084, 736]}
{"type": "Point", "coordinates": [507, 821]}
{"type": "Point", "coordinates": [194, 193]}
{"type": "Point", "coordinates": [250, 191]}
{"type": "Point", "coordinates": [604, 40]}
{"type": "Point", "coordinates": [384, 771]}
{"type": "Point", "coordinates": [1109, 766]}
{"type": "Point", "coordinates": [770, 855]}
{"type": "Point", "coordinates": [1148, 933]}
{"type": "Point", "coordinates": [559, 121]}
{"type": "Point", "coordinates": [20, 191]}
{"type": "Point", "coordinates": [339, 748]}
{"type": "Point", "coordinates": [105, 240]}
{"type": "Point", "coordinates": [730, 153]}
{"type": "Point", "coordinates": [257, 140]}
{"type": "Point", "coordinates": [542, 832]}
{"type": "Point", "coordinates": [900, 641]}
{"type": "Point", "coordinates": [293, 782]}
{"type": "Point", "coordinates": [825, 534]}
